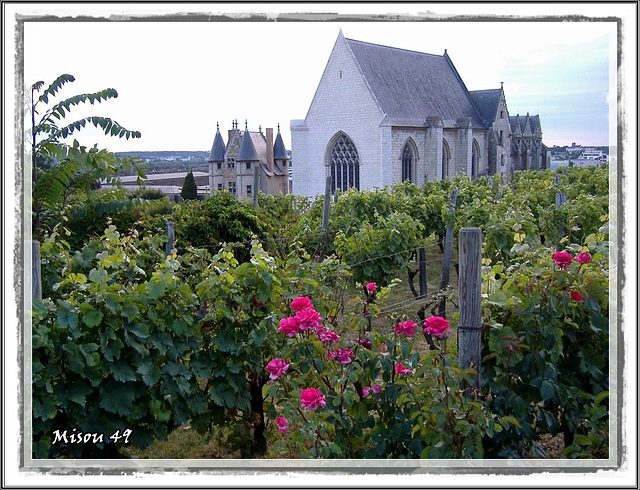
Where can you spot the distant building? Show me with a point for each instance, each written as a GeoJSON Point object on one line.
{"type": "Point", "coordinates": [382, 115]}
{"type": "Point", "coordinates": [589, 157]}
{"type": "Point", "coordinates": [233, 166]}
{"type": "Point", "coordinates": [169, 183]}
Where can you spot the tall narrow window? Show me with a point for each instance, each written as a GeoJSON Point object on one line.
{"type": "Point", "coordinates": [475, 159]}
{"type": "Point", "coordinates": [446, 156]}
{"type": "Point", "coordinates": [407, 163]}
{"type": "Point", "coordinates": [344, 164]}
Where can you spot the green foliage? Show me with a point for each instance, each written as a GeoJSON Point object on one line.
{"type": "Point", "coordinates": [547, 345]}
{"type": "Point", "coordinates": [127, 337]}
{"type": "Point", "coordinates": [217, 220]}
{"type": "Point", "coordinates": [59, 169]}
{"type": "Point", "coordinates": [288, 221]}
{"type": "Point", "coordinates": [380, 250]}
{"type": "Point", "coordinates": [148, 193]}
{"type": "Point", "coordinates": [189, 189]}
{"type": "Point", "coordinates": [47, 124]}
{"type": "Point", "coordinates": [112, 340]}
{"type": "Point", "coordinates": [86, 215]}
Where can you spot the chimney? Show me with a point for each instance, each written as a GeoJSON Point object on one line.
{"type": "Point", "coordinates": [270, 161]}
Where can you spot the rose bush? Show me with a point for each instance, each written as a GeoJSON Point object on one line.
{"type": "Point", "coordinates": [345, 396]}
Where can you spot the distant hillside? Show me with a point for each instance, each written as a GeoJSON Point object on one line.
{"type": "Point", "coordinates": [169, 161]}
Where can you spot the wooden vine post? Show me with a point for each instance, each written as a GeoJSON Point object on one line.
{"type": "Point", "coordinates": [448, 245]}
{"type": "Point", "coordinates": [170, 238]}
{"type": "Point", "coordinates": [470, 292]}
{"type": "Point", "coordinates": [422, 267]}
{"type": "Point", "coordinates": [325, 215]}
{"type": "Point", "coordinates": [36, 282]}
{"type": "Point", "coordinates": [327, 204]}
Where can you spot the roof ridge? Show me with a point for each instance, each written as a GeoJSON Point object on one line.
{"type": "Point", "coordinates": [393, 47]}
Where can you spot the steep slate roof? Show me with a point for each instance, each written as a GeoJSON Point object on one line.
{"type": "Point", "coordinates": [247, 151]}
{"type": "Point", "coordinates": [218, 148]}
{"type": "Point", "coordinates": [486, 102]}
{"type": "Point", "coordinates": [410, 86]}
{"type": "Point", "coordinates": [279, 151]}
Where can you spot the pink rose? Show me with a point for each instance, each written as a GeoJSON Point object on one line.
{"type": "Point", "coordinates": [405, 328]}
{"type": "Point", "coordinates": [367, 390]}
{"type": "Point", "coordinates": [311, 398]}
{"type": "Point", "coordinates": [371, 287]}
{"type": "Point", "coordinates": [366, 343]}
{"type": "Point", "coordinates": [576, 296]}
{"type": "Point", "coordinates": [307, 319]}
{"type": "Point", "coordinates": [562, 259]}
{"type": "Point", "coordinates": [282, 422]}
{"type": "Point", "coordinates": [437, 326]}
{"type": "Point", "coordinates": [329, 336]}
{"type": "Point", "coordinates": [400, 369]}
{"type": "Point", "coordinates": [276, 367]}
{"type": "Point", "coordinates": [289, 326]}
{"type": "Point", "coordinates": [301, 303]}
{"type": "Point", "coordinates": [583, 257]}
{"type": "Point", "coordinates": [343, 356]}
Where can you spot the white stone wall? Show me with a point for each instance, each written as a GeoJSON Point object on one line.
{"type": "Point", "coordinates": [343, 102]}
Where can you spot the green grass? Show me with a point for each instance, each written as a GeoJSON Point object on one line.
{"type": "Point", "coordinates": [184, 443]}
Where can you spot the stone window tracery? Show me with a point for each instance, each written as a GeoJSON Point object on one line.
{"type": "Point", "coordinates": [344, 164]}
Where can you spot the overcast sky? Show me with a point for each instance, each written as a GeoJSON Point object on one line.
{"type": "Point", "coordinates": [176, 80]}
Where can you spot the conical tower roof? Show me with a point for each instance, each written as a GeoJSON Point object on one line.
{"type": "Point", "coordinates": [279, 151]}
{"type": "Point", "coordinates": [218, 148]}
{"type": "Point", "coordinates": [247, 151]}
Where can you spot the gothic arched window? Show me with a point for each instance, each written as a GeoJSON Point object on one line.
{"type": "Point", "coordinates": [475, 159]}
{"type": "Point", "coordinates": [446, 156]}
{"type": "Point", "coordinates": [407, 163]}
{"type": "Point", "coordinates": [344, 164]}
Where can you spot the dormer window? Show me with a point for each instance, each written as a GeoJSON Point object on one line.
{"type": "Point", "coordinates": [231, 163]}
{"type": "Point", "coordinates": [501, 114]}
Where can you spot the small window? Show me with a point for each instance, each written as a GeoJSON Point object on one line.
{"type": "Point", "coordinates": [219, 165]}
{"type": "Point", "coordinates": [500, 138]}
{"type": "Point", "coordinates": [231, 163]}
{"type": "Point", "coordinates": [502, 161]}
{"type": "Point", "coordinates": [249, 189]}
{"type": "Point", "coordinates": [501, 114]}
{"type": "Point", "coordinates": [232, 188]}
{"type": "Point", "coordinates": [407, 163]}
{"type": "Point", "coordinates": [248, 165]}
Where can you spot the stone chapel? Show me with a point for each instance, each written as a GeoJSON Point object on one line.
{"type": "Point", "coordinates": [383, 115]}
